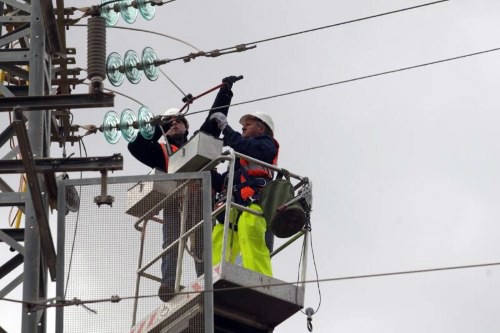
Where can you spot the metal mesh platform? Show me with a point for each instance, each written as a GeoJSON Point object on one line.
{"type": "Point", "coordinates": [101, 250]}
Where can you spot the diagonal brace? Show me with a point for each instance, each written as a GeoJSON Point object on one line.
{"type": "Point", "coordinates": [36, 196]}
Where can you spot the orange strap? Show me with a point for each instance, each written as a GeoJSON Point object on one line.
{"type": "Point", "coordinates": [165, 153]}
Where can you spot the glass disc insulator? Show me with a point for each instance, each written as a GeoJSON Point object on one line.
{"type": "Point", "coordinates": [131, 61]}
{"type": "Point", "coordinates": [129, 13]}
{"type": "Point", "coordinates": [109, 13]}
{"type": "Point", "coordinates": [110, 127]}
{"type": "Point", "coordinates": [144, 117]}
{"type": "Point", "coordinates": [127, 120]}
{"type": "Point", "coordinates": [114, 69]}
{"type": "Point", "coordinates": [148, 64]}
{"type": "Point", "coordinates": [146, 9]}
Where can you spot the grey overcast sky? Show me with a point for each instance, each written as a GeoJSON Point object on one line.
{"type": "Point", "coordinates": [405, 166]}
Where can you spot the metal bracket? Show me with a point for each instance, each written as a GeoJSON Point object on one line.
{"type": "Point", "coordinates": [104, 198]}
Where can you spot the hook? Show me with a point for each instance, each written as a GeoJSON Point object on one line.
{"type": "Point", "coordinates": [309, 313]}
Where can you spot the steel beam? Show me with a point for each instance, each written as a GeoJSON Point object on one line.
{"type": "Point", "coordinates": [19, 5]}
{"type": "Point", "coordinates": [16, 35]}
{"type": "Point", "coordinates": [4, 187]}
{"type": "Point", "coordinates": [50, 102]}
{"type": "Point", "coordinates": [63, 69]}
{"type": "Point", "coordinates": [13, 90]}
{"type": "Point", "coordinates": [6, 135]}
{"type": "Point", "coordinates": [11, 286]}
{"type": "Point", "coordinates": [36, 196]}
{"type": "Point", "coordinates": [12, 237]}
{"type": "Point", "coordinates": [74, 164]}
{"type": "Point", "coordinates": [49, 18]}
{"type": "Point", "coordinates": [11, 265]}
{"type": "Point", "coordinates": [18, 56]}
{"type": "Point", "coordinates": [14, 19]}
{"type": "Point", "coordinates": [5, 91]}
{"type": "Point", "coordinates": [12, 199]}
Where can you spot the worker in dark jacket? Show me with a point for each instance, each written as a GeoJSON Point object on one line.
{"type": "Point", "coordinates": [155, 155]}
{"type": "Point", "coordinates": [247, 231]}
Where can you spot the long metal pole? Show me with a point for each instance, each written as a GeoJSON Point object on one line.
{"type": "Point", "coordinates": [138, 274]}
{"type": "Point", "coordinates": [229, 194]}
{"type": "Point", "coordinates": [61, 241]}
{"type": "Point", "coordinates": [208, 298]}
{"type": "Point", "coordinates": [182, 240]}
{"type": "Point", "coordinates": [36, 130]}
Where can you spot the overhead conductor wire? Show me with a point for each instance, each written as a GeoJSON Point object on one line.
{"type": "Point", "coordinates": [354, 79]}
{"type": "Point", "coordinates": [244, 46]}
{"type": "Point", "coordinates": [343, 23]}
{"type": "Point", "coordinates": [116, 299]}
{"type": "Point", "coordinates": [80, 145]}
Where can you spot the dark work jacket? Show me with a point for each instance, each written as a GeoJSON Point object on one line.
{"type": "Point", "coordinates": [150, 152]}
{"type": "Point", "coordinates": [264, 148]}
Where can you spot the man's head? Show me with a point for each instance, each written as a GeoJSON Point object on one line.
{"type": "Point", "coordinates": [176, 124]}
{"type": "Point", "coordinates": [256, 124]}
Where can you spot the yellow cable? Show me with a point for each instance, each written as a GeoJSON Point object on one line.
{"type": "Point", "coordinates": [19, 212]}
{"type": "Point", "coordinates": [2, 78]}
{"type": "Point", "coordinates": [18, 218]}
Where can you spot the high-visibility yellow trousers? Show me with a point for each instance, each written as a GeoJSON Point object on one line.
{"type": "Point", "coordinates": [248, 240]}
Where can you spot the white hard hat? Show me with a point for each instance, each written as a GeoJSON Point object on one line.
{"type": "Point", "coordinates": [264, 117]}
{"type": "Point", "coordinates": [171, 112]}
{"type": "Point", "coordinates": [174, 112]}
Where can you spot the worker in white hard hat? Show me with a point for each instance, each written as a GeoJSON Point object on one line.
{"type": "Point", "coordinates": [247, 231]}
{"type": "Point", "coordinates": [154, 154]}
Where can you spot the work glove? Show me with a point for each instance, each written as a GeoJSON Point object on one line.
{"type": "Point", "coordinates": [229, 80]}
{"type": "Point", "coordinates": [220, 119]}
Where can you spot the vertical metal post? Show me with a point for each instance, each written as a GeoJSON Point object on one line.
{"type": "Point", "coordinates": [229, 193]}
{"type": "Point", "coordinates": [182, 240]}
{"type": "Point", "coordinates": [61, 241]}
{"type": "Point", "coordinates": [33, 273]}
{"type": "Point", "coordinates": [1, 26]}
{"type": "Point", "coordinates": [208, 298]}
{"type": "Point", "coordinates": [138, 274]}
{"type": "Point", "coordinates": [31, 268]}
{"type": "Point", "coordinates": [304, 260]}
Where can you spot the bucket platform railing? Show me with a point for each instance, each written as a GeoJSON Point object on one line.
{"type": "Point", "coordinates": [279, 299]}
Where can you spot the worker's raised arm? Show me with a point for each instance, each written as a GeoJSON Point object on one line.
{"type": "Point", "coordinates": [221, 104]}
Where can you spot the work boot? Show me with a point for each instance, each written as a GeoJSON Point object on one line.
{"type": "Point", "coordinates": [167, 291]}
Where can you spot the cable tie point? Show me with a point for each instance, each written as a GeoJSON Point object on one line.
{"type": "Point", "coordinates": [115, 299]}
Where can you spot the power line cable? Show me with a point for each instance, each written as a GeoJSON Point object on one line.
{"type": "Point", "coordinates": [251, 45]}
{"type": "Point", "coordinates": [342, 23]}
{"type": "Point", "coordinates": [119, 93]}
{"type": "Point", "coordinates": [359, 78]}
{"type": "Point", "coordinates": [146, 31]}
{"type": "Point", "coordinates": [116, 299]}
{"type": "Point", "coordinates": [352, 80]}
{"type": "Point", "coordinates": [173, 83]}
{"type": "Point", "coordinates": [81, 145]}
{"type": "Point", "coordinates": [315, 271]}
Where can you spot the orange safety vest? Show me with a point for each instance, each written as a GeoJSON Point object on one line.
{"type": "Point", "coordinates": [173, 148]}
{"type": "Point", "coordinates": [253, 169]}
